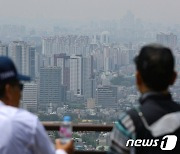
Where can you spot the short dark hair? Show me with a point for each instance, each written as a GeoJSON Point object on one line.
{"type": "Point", "coordinates": [156, 66]}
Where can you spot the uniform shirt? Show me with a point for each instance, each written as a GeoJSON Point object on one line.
{"type": "Point", "coordinates": [22, 133]}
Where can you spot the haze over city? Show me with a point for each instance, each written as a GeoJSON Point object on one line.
{"type": "Point", "coordinates": [32, 12]}
{"type": "Point", "coordinates": [80, 56]}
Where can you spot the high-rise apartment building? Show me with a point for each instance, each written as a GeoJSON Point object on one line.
{"type": "Point", "coordinates": [30, 96]}
{"type": "Point", "coordinates": [50, 87]}
{"type": "Point", "coordinates": [15, 53]}
{"type": "Point", "coordinates": [24, 57]}
{"type": "Point", "coordinates": [88, 78]}
{"type": "Point", "coordinates": [3, 50]}
{"type": "Point", "coordinates": [70, 44]}
{"type": "Point", "coordinates": [169, 40]}
{"type": "Point", "coordinates": [105, 37]}
{"type": "Point", "coordinates": [82, 79]}
{"type": "Point", "coordinates": [106, 96]}
{"type": "Point", "coordinates": [76, 74]}
{"type": "Point", "coordinates": [32, 62]}
{"type": "Point", "coordinates": [63, 61]}
{"type": "Point", "coordinates": [47, 46]}
{"type": "Point", "coordinates": [91, 89]}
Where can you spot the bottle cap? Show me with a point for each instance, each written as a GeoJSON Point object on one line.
{"type": "Point", "coordinates": [67, 118]}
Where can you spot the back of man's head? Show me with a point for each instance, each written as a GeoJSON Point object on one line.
{"type": "Point", "coordinates": [156, 66]}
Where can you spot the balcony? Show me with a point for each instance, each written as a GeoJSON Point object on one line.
{"type": "Point", "coordinates": [54, 126]}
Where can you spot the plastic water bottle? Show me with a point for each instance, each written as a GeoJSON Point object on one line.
{"type": "Point", "coordinates": [65, 130]}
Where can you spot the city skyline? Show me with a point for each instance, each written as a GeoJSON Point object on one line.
{"type": "Point", "coordinates": [80, 57]}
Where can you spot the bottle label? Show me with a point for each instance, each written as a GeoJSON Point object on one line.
{"type": "Point", "coordinates": [65, 132]}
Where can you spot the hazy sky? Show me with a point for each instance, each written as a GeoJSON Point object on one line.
{"type": "Point", "coordinates": [152, 10]}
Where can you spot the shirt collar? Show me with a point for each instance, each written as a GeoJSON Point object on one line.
{"type": "Point", "coordinates": [1, 103]}
{"type": "Point", "coordinates": [154, 95]}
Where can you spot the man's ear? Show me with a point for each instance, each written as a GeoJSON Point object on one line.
{"type": "Point", "coordinates": [138, 78]}
{"type": "Point", "coordinates": [174, 76]}
{"type": "Point", "coordinates": [8, 92]}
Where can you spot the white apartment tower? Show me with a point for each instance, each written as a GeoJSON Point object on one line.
{"type": "Point", "coordinates": [18, 52]}
{"type": "Point", "coordinates": [24, 57]}
{"type": "Point", "coordinates": [76, 74]}
{"type": "Point", "coordinates": [30, 96]}
{"type": "Point", "coordinates": [82, 80]}
{"type": "Point", "coordinates": [105, 37]}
